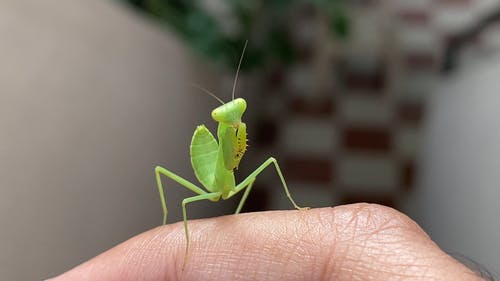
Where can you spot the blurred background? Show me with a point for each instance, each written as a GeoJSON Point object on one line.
{"type": "Point", "coordinates": [392, 102]}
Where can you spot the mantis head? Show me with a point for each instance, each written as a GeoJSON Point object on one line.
{"type": "Point", "coordinates": [230, 113]}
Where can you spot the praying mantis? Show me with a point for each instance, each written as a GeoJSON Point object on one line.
{"type": "Point", "coordinates": [214, 162]}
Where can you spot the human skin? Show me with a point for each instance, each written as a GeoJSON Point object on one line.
{"type": "Point", "coordinates": [350, 242]}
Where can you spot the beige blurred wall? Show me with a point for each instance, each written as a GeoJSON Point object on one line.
{"type": "Point", "coordinates": [456, 199]}
{"type": "Point", "coordinates": [92, 96]}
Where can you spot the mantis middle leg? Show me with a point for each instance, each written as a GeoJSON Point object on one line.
{"type": "Point", "coordinates": [202, 195]}
{"type": "Point", "coordinates": [162, 171]}
{"type": "Point", "coordinates": [251, 178]}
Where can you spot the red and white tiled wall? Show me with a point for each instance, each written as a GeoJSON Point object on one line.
{"type": "Point", "coordinates": [345, 122]}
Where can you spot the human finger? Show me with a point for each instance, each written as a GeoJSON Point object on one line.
{"type": "Point", "coordinates": [351, 242]}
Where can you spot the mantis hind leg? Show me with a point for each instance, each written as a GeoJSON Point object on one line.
{"type": "Point", "coordinates": [207, 196]}
{"type": "Point", "coordinates": [251, 178]}
{"type": "Point", "coordinates": [162, 171]}
{"type": "Point", "coordinates": [244, 197]}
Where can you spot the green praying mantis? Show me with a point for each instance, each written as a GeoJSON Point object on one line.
{"type": "Point", "coordinates": [214, 162]}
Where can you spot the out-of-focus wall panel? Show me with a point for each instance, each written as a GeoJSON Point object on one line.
{"type": "Point", "coordinates": [456, 200]}
{"type": "Point", "coordinates": [92, 97]}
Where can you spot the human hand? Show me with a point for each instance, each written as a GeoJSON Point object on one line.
{"type": "Point", "coordinates": [350, 242]}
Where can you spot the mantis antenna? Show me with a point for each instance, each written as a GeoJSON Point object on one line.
{"type": "Point", "coordinates": [207, 92]}
{"type": "Point", "coordinates": [238, 70]}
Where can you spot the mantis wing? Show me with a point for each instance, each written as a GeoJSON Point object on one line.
{"type": "Point", "coordinates": [203, 152]}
